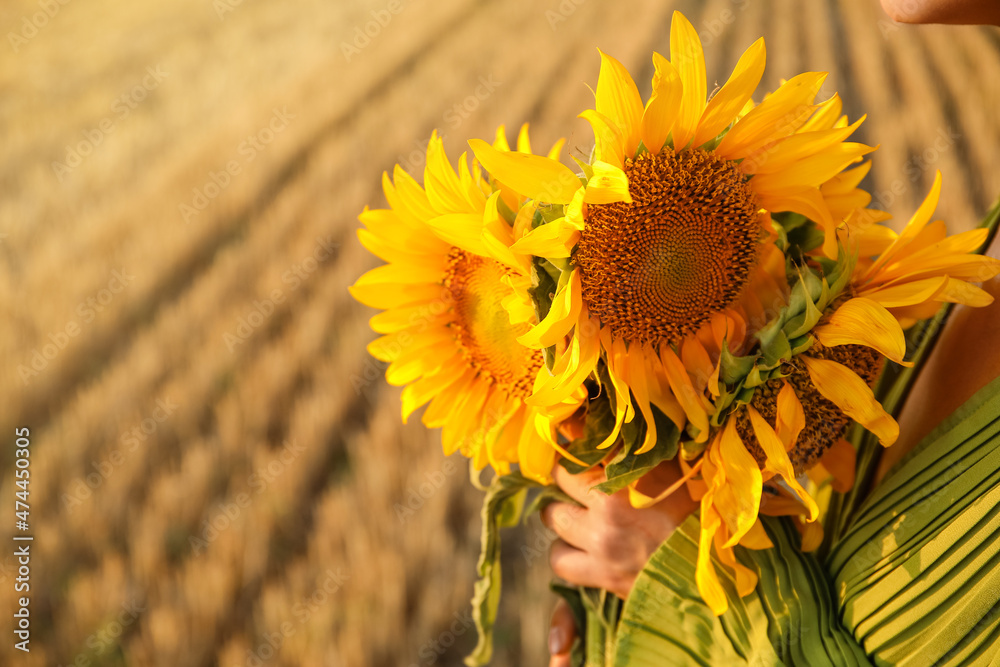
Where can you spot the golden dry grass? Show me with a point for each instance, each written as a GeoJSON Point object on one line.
{"type": "Point", "coordinates": [262, 510]}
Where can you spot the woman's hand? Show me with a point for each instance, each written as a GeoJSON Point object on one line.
{"type": "Point", "coordinates": [606, 543]}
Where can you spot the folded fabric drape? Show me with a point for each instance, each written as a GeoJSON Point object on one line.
{"type": "Point", "coordinates": [913, 580]}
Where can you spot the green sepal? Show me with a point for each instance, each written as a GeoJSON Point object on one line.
{"type": "Point", "coordinates": [789, 221]}
{"type": "Point", "coordinates": [508, 214]}
{"type": "Point", "coordinates": [807, 291]}
{"type": "Point", "coordinates": [732, 368]}
{"type": "Point", "coordinates": [755, 378]}
{"type": "Point", "coordinates": [801, 344]}
{"type": "Point", "coordinates": [690, 450]}
{"type": "Point", "coordinates": [841, 274]}
{"type": "Point", "coordinates": [503, 507]}
{"type": "Point", "coordinates": [745, 395]}
{"type": "Point", "coordinates": [805, 236]}
{"type": "Point", "coordinates": [588, 171]}
{"type": "Point", "coordinates": [546, 213]}
{"type": "Point", "coordinates": [777, 350]}
{"type": "Point", "coordinates": [626, 467]}
{"type": "Point", "coordinates": [770, 331]}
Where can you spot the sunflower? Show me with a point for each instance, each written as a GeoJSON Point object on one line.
{"type": "Point", "coordinates": [796, 417]}
{"type": "Point", "coordinates": [447, 334]}
{"type": "Point", "coordinates": [670, 228]}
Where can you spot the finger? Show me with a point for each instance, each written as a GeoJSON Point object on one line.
{"type": "Point", "coordinates": [560, 661]}
{"type": "Point", "coordinates": [568, 521]}
{"type": "Point", "coordinates": [578, 486]}
{"type": "Point", "coordinates": [574, 566]}
{"type": "Point", "coordinates": [562, 630]}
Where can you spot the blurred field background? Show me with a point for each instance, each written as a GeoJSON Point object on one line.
{"type": "Point", "coordinates": [218, 468]}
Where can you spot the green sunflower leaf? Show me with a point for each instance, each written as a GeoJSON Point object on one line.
{"type": "Point", "coordinates": [599, 423]}
{"type": "Point", "coordinates": [503, 507]}
{"type": "Point", "coordinates": [626, 467]}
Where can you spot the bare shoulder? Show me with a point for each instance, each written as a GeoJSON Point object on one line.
{"type": "Point", "coordinates": [965, 359]}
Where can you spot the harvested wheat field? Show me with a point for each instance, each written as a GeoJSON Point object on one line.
{"type": "Point", "coordinates": [218, 472]}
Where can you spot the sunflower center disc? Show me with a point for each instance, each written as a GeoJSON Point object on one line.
{"type": "Point", "coordinates": [483, 327]}
{"type": "Point", "coordinates": [656, 269]}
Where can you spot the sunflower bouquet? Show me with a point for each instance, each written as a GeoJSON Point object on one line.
{"type": "Point", "coordinates": [708, 285]}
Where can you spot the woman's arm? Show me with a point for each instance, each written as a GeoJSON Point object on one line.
{"type": "Point", "coordinates": [943, 11]}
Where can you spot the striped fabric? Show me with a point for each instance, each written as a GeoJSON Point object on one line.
{"type": "Point", "coordinates": [914, 580]}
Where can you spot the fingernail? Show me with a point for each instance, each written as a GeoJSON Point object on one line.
{"type": "Point", "coordinates": [557, 641]}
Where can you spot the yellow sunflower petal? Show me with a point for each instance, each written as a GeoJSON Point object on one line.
{"type": "Point", "coordinates": [791, 418]}
{"type": "Point", "coordinates": [916, 223]}
{"type": "Point", "coordinates": [840, 461]}
{"type": "Point", "coordinates": [572, 368]}
{"type": "Point", "coordinates": [794, 149]}
{"type": "Point", "coordinates": [778, 116]}
{"type": "Point", "coordinates": [756, 538]}
{"type": "Point", "coordinates": [812, 534]}
{"type": "Point", "coordinates": [608, 141]}
{"type": "Point", "coordinates": [661, 110]}
{"type": "Point", "coordinates": [959, 291]}
{"type": "Point", "coordinates": [842, 387]}
{"type": "Point", "coordinates": [862, 321]}
{"type": "Point", "coordinates": [706, 578]}
{"type": "Point", "coordinates": [683, 389]}
{"type": "Point", "coordinates": [777, 459]}
{"type": "Point", "coordinates": [608, 185]}
{"type": "Point", "coordinates": [746, 579]}
{"type": "Point", "coordinates": [743, 477]}
{"type": "Point", "coordinates": [906, 294]}
{"type": "Point", "coordinates": [384, 296]}
{"type": "Point", "coordinates": [687, 56]}
{"type": "Point", "coordinates": [463, 230]}
{"type": "Point", "coordinates": [523, 141]}
{"type": "Point", "coordinates": [562, 316]}
{"type": "Point", "coordinates": [555, 239]}
{"type": "Point", "coordinates": [618, 99]}
{"type": "Point", "coordinates": [426, 388]}
{"type": "Point", "coordinates": [637, 381]}
{"type": "Point", "coordinates": [723, 108]}
{"type": "Point", "coordinates": [533, 176]}
{"type": "Point", "coordinates": [534, 454]}
{"type": "Point", "coordinates": [617, 371]}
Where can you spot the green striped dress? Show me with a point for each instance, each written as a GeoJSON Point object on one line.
{"type": "Point", "coordinates": [909, 573]}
